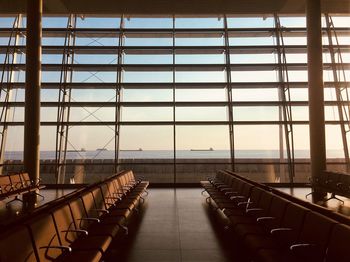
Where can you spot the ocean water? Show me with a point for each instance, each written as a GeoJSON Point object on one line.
{"type": "Point", "coordinates": [169, 154]}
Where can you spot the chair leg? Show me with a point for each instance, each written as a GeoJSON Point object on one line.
{"type": "Point", "coordinates": [333, 196]}
{"type": "Point", "coordinates": [40, 195]}
{"type": "Point", "coordinates": [13, 200]}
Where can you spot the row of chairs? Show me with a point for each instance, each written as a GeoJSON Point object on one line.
{"type": "Point", "coordinates": [336, 183]}
{"type": "Point", "coordinates": [16, 184]}
{"type": "Point", "coordinates": [80, 227]}
{"type": "Point", "coordinates": [271, 227]}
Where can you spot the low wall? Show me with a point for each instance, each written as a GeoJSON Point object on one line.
{"type": "Point", "coordinates": [162, 170]}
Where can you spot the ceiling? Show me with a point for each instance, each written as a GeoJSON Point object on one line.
{"type": "Point", "coordinates": [180, 7]}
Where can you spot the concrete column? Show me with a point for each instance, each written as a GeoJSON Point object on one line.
{"type": "Point", "coordinates": [315, 80]}
{"type": "Point", "coordinates": [32, 91]}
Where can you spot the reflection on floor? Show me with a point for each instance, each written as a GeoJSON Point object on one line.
{"type": "Point", "coordinates": [16, 208]}
{"type": "Point", "coordinates": [333, 204]}
{"type": "Point", "coordinates": [175, 225]}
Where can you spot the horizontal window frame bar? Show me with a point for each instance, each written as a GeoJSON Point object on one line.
{"type": "Point", "coordinates": [169, 123]}
{"type": "Point", "coordinates": [178, 85]}
{"type": "Point", "coordinates": [168, 50]}
{"type": "Point", "coordinates": [107, 104]}
{"type": "Point", "coordinates": [100, 68]}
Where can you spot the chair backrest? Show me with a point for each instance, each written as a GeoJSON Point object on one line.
{"type": "Point", "coordinates": [16, 245]}
{"type": "Point", "coordinates": [237, 184]}
{"type": "Point", "coordinates": [338, 247]}
{"type": "Point", "coordinates": [25, 179]}
{"type": "Point", "coordinates": [316, 230]}
{"type": "Point", "coordinates": [44, 234]}
{"type": "Point", "coordinates": [5, 184]}
{"type": "Point", "coordinates": [255, 196]}
{"type": "Point", "coordinates": [64, 221]}
{"type": "Point", "coordinates": [265, 201]}
{"type": "Point", "coordinates": [79, 213]}
{"type": "Point", "coordinates": [246, 190]}
{"type": "Point", "coordinates": [89, 204]}
{"type": "Point", "coordinates": [99, 198]}
{"type": "Point", "coordinates": [278, 208]}
{"type": "Point", "coordinates": [130, 176]}
{"type": "Point", "coordinates": [16, 181]}
{"type": "Point", "coordinates": [293, 218]}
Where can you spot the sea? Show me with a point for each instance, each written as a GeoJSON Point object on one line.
{"type": "Point", "coordinates": [169, 154]}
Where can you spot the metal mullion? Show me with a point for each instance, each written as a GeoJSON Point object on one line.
{"type": "Point", "coordinates": [286, 104]}
{"type": "Point", "coordinates": [60, 109]}
{"type": "Point", "coordinates": [118, 95]}
{"type": "Point", "coordinates": [74, 17]}
{"type": "Point", "coordinates": [63, 111]}
{"type": "Point", "coordinates": [174, 100]}
{"type": "Point", "coordinates": [343, 116]}
{"type": "Point", "coordinates": [229, 94]}
{"type": "Point", "coordinates": [5, 112]}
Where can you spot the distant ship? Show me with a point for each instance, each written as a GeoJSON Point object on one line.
{"type": "Point", "coordinates": [101, 149]}
{"type": "Point", "coordinates": [133, 150]}
{"type": "Point", "coordinates": [81, 150]}
{"type": "Point", "coordinates": [210, 149]}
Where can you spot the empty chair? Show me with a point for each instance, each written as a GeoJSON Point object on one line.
{"type": "Point", "coordinates": [311, 244]}
{"type": "Point", "coordinates": [77, 239]}
{"type": "Point", "coordinates": [260, 209]}
{"type": "Point", "coordinates": [90, 224]}
{"type": "Point", "coordinates": [264, 223]}
{"type": "Point", "coordinates": [283, 236]}
{"type": "Point", "coordinates": [48, 245]}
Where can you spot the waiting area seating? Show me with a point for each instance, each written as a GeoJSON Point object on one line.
{"type": "Point", "coordinates": [78, 227]}
{"type": "Point", "coordinates": [336, 183]}
{"type": "Point", "coordinates": [273, 226]}
{"type": "Point", "coordinates": [16, 184]}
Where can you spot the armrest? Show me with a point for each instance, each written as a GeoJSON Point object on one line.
{"type": "Point", "coordinates": [230, 192]}
{"type": "Point", "coordinates": [89, 219]}
{"type": "Point", "coordinates": [264, 219]}
{"type": "Point", "coordinates": [101, 210]}
{"type": "Point", "coordinates": [302, 245]}
{"type": "Point", "coordinates": [252, 210]}
{"type": "Point", "coordinates": [307, 252]}
{"type": "Point", "coordinates": [276, 231]}
{"type": "Point", "coordinates": [237, 197]}
{"type": "Point", "coordinates": [66, 248]}
{"type": "Point", "coordinates": [76, 231]}
{"type": "Point", "coordinates": [244, 203]}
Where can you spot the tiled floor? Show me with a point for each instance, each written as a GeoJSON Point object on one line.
{"type": "Point", "coordinates": [175, 225]}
